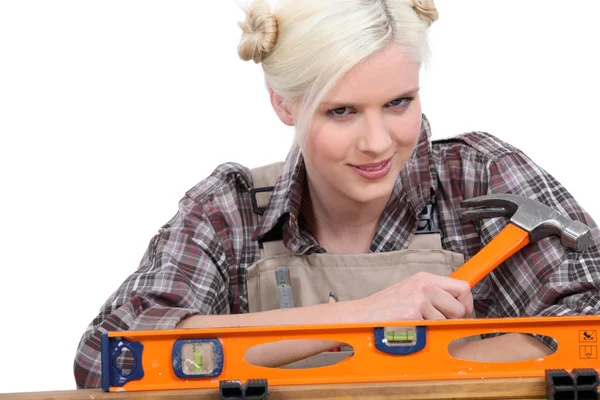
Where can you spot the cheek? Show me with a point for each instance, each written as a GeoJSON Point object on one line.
{"type": "Point", "coordinates": [326, 144]}
{"type": "Point", "coordinates": [408, 134]}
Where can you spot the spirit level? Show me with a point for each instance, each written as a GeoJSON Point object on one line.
{"type": "Point", "coordinates": [391, 352]}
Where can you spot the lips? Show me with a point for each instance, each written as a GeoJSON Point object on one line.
{"type": "Point", "coordinates": [372, 166]}
{"type": "Point", "coordinates": [373, 171]}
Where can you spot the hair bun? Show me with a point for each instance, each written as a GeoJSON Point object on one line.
{"type": "Point", "coordinates": [259, 32]}
{"type": "Point", "coordinates": [426, 10]}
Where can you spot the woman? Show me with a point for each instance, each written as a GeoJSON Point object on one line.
{"type": "Point", "coordinates": [364, 206]}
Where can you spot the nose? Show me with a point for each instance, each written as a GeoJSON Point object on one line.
{"type": "Point", "coordinates": [375, 137]}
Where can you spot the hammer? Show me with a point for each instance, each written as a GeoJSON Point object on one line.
{"type": "Point", "coordinates": [530, 221]}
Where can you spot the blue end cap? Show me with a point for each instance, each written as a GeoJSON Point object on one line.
{"type": "Point", "coordinates": [381, 342]}
{"type": "Point", "coordinates": [217, 360]}
{"type": "Point", "coordinates": [105, 360]}
{"type": "Point", "coordinates": [112, 374]}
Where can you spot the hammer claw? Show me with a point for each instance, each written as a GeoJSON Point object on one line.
{"type": "Point", "coordinates": [487, 212]}
{"type": "Point", "coordinates": [491, 200]}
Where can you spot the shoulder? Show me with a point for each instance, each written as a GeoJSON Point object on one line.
{"type": "Point", "coordinates": [218, 206]}
{"type": "Point", "coordinates": [471, 161]}
{"type": "Point", "coordinates": [228, 179]}
{"type": "Point", "coordinates": [480, 145]}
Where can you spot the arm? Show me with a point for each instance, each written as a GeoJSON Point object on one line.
{"type": "Point", "coordinates": [176, 278]}
{"type": "Point", "coordinates": [180, 284]}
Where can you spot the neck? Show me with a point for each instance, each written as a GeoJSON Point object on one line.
{"type": "Point", "coordinates": [339, 224]}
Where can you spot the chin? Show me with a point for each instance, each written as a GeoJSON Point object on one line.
{"type": "Point", "coordinates": [371, 191]}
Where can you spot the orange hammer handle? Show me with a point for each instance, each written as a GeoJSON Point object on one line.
{"type": "Point", "coordinates": [510, 240]}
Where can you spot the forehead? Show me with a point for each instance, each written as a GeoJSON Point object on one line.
{"type": "Point", "coordinates": [384, 75]}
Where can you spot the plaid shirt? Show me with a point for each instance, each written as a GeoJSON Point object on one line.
{"type": "Point", "coordinates": [197, 262]}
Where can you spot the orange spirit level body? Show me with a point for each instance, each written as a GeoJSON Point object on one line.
{"type": "Point", "coordinates": [201, 358]}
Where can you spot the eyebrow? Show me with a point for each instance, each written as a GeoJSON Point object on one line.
{"type": "Point", "coordinates": [341, 103]}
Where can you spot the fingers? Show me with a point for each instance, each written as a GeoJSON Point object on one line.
{"type": "Point", "coordinates": [455, 287]}
{"type": "Point", "coordinates": [444, 302]}
{"type": "Point", "coordinates": [422, 296]}
{"type": "Point", "coordinates": [453, 297]}
{"type": "Point", "coordinates": [466, 300]}
{"type": "Point", "coordinates": [431, 313]}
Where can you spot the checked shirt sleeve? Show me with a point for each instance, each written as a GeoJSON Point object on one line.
{"type": "Point", "coordinates": [544, 278]}
{"type": "Point", "coordinates": [178, 276]}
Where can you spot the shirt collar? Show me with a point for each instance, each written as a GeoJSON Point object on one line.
{"type": "Point", "coordinates": [415, 186]}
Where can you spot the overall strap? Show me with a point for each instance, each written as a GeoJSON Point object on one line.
{"type": "Point", "coordinates": [263, 182]}
{"type": "Point", "coordinates": [428, 235]}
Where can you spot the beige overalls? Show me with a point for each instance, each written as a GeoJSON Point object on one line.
{"type": "Point", "coordinates": [349, 276]}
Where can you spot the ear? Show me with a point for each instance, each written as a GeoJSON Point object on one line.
{"type": "Point", "coordinates": [282, 108]}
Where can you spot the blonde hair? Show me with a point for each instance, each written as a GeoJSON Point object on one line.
{"type": "Point", "coordinates": [306, 46]}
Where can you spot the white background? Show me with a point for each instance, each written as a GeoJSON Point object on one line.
{"type": "Point", "coordinates": [111, 110]}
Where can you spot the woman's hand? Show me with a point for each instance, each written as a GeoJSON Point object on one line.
{"type": "Point", "coordinates": [420, 297]}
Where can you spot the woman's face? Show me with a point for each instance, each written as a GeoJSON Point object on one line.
{"type": "Point", "coordinates": [365, 129]}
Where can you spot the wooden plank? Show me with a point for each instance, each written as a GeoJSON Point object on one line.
{"type": "Point", "coordinates": [520, 388]}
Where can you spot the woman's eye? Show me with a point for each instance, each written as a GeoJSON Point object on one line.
{"type": "Point", "coordinates": [399, 102]}
{"type": "Point", "coordinates": [339, 111]}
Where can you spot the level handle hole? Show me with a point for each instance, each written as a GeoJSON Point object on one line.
{"type": "Point", "coordinates": [298, 354]}
{"type": "Point", "coordinates": [457, 347]}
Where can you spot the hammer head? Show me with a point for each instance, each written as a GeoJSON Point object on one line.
{"type": "Point", "coordinates": [537, 219]}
